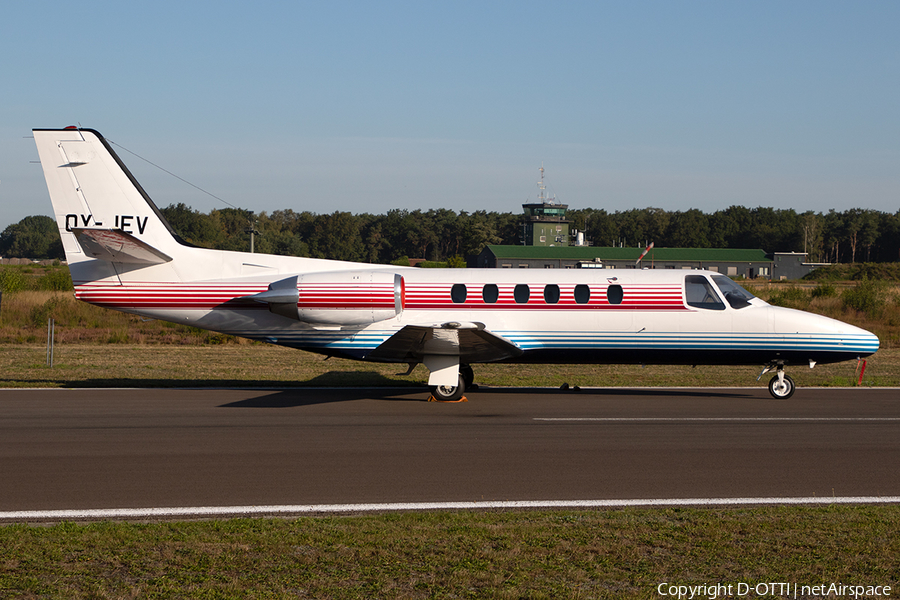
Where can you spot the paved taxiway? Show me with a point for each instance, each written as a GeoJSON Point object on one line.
{"type": "Point", "coordinates": [67, 449]}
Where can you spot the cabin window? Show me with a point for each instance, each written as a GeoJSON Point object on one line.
{"type": "Point", "coordinates": [700, 294]}
{"type": "Point", "coordinates": [582, 294]}
{"type": "Point", "coordinates": [521, 293]}
{"type": "Point", "coordinates": [551, 293]}
{"type": "Point", "coordinates": [458, 293]}
{"type": "Point", "coordinates": [734, 294]}
{"type": "Point", "coordinates": [490, 293]}
{"type": "Point", "coordinates": [614, 294]}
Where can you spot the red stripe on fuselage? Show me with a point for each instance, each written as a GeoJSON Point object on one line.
{"type": "Point", "coordinates": [380, 297]}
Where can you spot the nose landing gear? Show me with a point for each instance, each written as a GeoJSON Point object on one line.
{"type": "Point", "coordinates": [781, 386]}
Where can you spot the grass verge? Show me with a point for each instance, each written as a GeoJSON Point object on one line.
{"type": "Point", "coordinates": [623, 553]}
{"type": "Point", "coordinates": [262, 365]}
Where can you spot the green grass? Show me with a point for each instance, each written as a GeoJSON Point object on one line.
{"type": "Point", "coordinates": [24, 315]}
{"type": "Point", "coordinates": [623, 553]}
{"type": "Point", "coordinates": [262, 365]}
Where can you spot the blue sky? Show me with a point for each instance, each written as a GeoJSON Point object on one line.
{"type": "Point", "coordinates": [365, 107]}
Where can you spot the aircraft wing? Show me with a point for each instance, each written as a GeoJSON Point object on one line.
{"type": "Point", "coordinates": [114, 245]}
{"type": "Point", "coordinates": [471, 342]}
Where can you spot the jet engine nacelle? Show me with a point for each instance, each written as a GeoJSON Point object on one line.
{"type": "Point", "coordinates": [337, 297]}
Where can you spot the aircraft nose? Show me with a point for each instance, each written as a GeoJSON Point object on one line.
{"type": "Point", "coordinates": [871, 340]}
{"type": "Point", "coordinates": [829, 334]}
{"type": "Point", "coordinates": [865, 342]}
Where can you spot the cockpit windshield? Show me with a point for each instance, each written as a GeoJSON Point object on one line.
{"type": "Point", "coordinates": [700, 294]}
{"type": "Point", "coordinates": [736, 296]}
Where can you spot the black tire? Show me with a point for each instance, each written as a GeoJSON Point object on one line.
{"type": "Point", "coordinates": [467, 374]}
{"type": "Point", "coordinates": [782, 392]}
{"type": "Point", "coordinates": [449, 393]}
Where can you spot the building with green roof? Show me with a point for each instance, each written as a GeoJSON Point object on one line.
{"type": "Point", "coordinates": [733, 262]}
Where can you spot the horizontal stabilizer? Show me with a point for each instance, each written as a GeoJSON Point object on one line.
{"type": "Point", "coordinates": [470, 341]}
{"type": "Point", "coordinates": [114, 245]}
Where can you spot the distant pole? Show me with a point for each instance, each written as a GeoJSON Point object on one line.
{"type": "Point", "coordinates": [252, 231]}
{"type": "Point", "coordinates": [51, 334]}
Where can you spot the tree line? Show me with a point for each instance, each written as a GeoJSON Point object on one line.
{"type": "Point", "coordinates": [854, 235]}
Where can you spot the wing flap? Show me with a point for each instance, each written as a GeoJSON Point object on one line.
{"type": "Point", "coordinates": [114, 245]}
{"type": "Point", "coordinates": [471, 342]}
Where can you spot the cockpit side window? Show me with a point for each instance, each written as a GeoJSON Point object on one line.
{"type": "Point", "coordinates": [699, 293]}
{"type": "Point", "coordinates": [734, 294]}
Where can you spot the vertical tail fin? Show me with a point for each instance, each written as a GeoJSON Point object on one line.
{"type": "Point", "coordinates": [101, 210]}
{"type": "Point", "coordinates": [114, 234]}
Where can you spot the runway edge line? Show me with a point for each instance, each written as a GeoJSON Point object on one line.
{"type": "Point", "coordinates": [301, 509]}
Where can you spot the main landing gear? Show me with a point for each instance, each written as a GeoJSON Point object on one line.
{"type": "Point", "coordinates": [449, 393]}
{"type": "Point", "coordinates": [453, 393]}
{"type": "Point", "coordinates": [781, 386]}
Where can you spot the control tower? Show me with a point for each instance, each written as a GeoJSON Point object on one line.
{"type": "Point", "coordinates": [545, 220]}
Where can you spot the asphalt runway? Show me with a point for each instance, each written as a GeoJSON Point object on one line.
{"type": "Point", "coordinates": [94, 449]}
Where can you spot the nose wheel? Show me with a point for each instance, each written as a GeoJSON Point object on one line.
{"type": "Point", "coordinates": [781, 386]}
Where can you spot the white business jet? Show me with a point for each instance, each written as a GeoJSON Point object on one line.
{"type": "Point", "coordinates": [123, 255]}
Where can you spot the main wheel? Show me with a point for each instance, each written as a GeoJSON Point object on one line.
{"type": "Point", "coordinates": [781, 390]}
{"type": "Point", "coordinates": [449, 393]}
{"type": "Point", "coordinates": [467, 374]}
